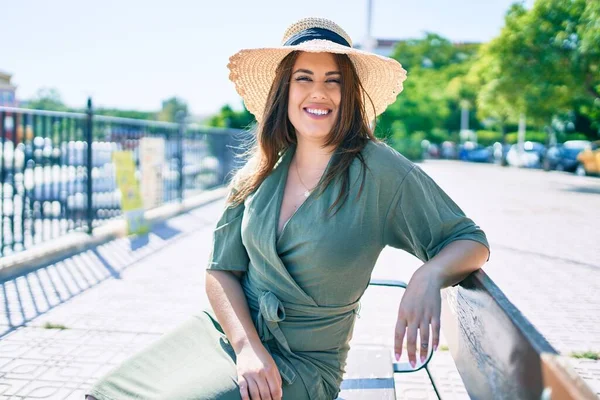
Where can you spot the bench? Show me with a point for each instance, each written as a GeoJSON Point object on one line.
{"type": "Point", "coordinates": [497, 352]}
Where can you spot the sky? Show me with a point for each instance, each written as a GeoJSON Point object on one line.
{"type": "Point", "coordinates": [133, 54]}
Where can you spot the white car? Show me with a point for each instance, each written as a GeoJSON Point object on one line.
{"type": "Point", "coordinates": [528, 158]}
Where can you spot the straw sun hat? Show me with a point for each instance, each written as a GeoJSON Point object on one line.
{"type": "Point", "coordinates": [253, 70]}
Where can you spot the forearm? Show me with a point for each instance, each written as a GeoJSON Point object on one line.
{"type": "Point", "coordinates": [230, 306]}
{"type": "Point", "coordinates": [455, 262]}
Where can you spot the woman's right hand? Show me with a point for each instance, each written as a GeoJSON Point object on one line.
{"type": "Point", "coordinates": [258, 376]}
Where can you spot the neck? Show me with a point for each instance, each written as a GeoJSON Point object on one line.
{"type": "Point", "coordinates": [311, 156]}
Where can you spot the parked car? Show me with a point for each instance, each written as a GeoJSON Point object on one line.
{"type": "Point", "coordinates": [480, 154]}
{"type": "Point", "coordinates": [500, 152]}
{"type": "Point", "coordinates": [530, 158]}
{"type": "Point", "coordinates": [563, 157]}
{"type": "Point", "coordinates": [589, 160]}
{"type": "Point", "coordinates": [448, 150]}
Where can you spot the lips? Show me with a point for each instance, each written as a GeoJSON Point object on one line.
{"type": "Point", "coordinates": [317, 113]}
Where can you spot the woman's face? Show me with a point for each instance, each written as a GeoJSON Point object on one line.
{"type": "Point", "coordinates": [314, 95]}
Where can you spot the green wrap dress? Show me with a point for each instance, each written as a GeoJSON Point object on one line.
{"type": "Point", "coordinates": [303, 286]}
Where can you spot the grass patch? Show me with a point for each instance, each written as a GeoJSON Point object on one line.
{"type": "Point", "coordinates": [590, 355]}
{"type": "Point", "coordinates": [50, 325]}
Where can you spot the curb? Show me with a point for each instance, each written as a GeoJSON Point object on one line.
{"type": "Point", "coordinates": [57, 249]}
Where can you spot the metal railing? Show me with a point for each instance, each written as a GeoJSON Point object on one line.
{"type": "Point", "coordinates": [57, 174]}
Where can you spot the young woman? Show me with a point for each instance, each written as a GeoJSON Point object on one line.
{"type": "Point", "coordinates": [306, 219]}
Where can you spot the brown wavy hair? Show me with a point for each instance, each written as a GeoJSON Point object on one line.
{"type": "Point", "coordinates": [276, 133]}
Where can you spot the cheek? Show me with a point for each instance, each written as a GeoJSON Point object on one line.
{"type": "Point", "coordinates": [295, 96]}
{"type": "Point", "coordinates": [336, 97]}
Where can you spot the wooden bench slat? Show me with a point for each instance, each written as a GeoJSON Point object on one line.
{"type": "Point", "coordinates": [563, 381]}
{"type": "Point", "coordinates": [369, 374]}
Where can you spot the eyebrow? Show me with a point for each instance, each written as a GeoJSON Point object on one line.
{"type": "Point", "coordinates": [307, 71]}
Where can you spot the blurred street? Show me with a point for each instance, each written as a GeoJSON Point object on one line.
{"type": "Point", "coordinates": [116, 299]}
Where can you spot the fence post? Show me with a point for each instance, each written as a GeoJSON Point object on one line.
{"type": "Point", "coordinates": [180, 116]}
{"type": "Point", "coordinates": [89, 137]}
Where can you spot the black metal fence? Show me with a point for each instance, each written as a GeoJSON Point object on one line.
{"type": "Point", "coordinates": [57, 175]}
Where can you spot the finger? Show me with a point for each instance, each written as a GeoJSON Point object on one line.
{"type": "Point", "coordinates": [424, 331]}
{"type": "Point", "coordinates": [277, 375]}
{"type": "Point", "coordinates": [243, 388]}
{"type": "Point", "coordinates": [435, 333]}
{"type": "Point", "coordinates": [399, 337]}
{"type": "Point", "coordinates": [263, 388]}
{"type": "Point", "coordinates": [411, 343]}
{"type": "Point", "coordinates": [253, 389]}
{"type": "Point", "coordinates": [275, 389]}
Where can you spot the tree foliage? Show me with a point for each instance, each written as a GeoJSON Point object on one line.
{"type": "Point", "coordinates": [544, 64]}
{"type": "Point", "coordinates": [434, 91]}
{"type": "Point", "coordinates": [170, 109]}
{"type": "Point", "coordinates": [229, 118]}
{"type": "Point", "coordinates": [46, 99]}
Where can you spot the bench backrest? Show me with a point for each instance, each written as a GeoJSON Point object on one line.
{"type": "Point", "coordinates": [498, 352]}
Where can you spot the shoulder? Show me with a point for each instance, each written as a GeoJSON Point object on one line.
{"type": "Point", "coordinates": [385, 163]}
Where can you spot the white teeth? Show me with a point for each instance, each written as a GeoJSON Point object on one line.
{"type": "Point", "coordinates": [317, 112]}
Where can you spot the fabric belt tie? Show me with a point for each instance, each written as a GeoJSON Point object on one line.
{"type": "Point", "coordinates": [271, 312]}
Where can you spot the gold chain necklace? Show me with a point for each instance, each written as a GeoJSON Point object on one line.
{"type": "Point", "coordinates": [307, 191]}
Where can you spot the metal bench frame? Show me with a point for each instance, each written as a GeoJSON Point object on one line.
{"type": "Point", "coordinates": [398, 367]}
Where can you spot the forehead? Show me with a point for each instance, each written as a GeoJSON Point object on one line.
{"type": "Point", "coordinates": [316, 62]}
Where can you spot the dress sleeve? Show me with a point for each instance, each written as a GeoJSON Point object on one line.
{"type": "Point", "coordinates": [227, 251]}
{"type": "Point", "coordinates": [422, 218]}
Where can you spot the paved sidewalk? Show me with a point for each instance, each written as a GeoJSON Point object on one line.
{"type": "Point", "coordinates": [116, 299]}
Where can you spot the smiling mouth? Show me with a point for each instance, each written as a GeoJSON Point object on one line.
{"type": "Point", "coordinates": [317, 112]}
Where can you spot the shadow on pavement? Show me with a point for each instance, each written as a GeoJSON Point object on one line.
{"type": "Point", "coordinates": [584, 189]}
{"type": "Point", "coordinates": [164, 231]}
{"type": "Point", "coordinates": [34, 293]}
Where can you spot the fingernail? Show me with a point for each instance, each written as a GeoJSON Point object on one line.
{"type": "Point", "coordinates": [397, 356]}
{"type": "Point", "coordinates": [422, 359]}
{"type": "Point", "coordinates": [412, 363]}
{"type": "Point", "coordinates": [434, 347]}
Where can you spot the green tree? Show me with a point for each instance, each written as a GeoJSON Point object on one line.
{"type": "Point", "coordinates": [228, 118]}
{"type": "Point", "coordinates": [545, 61]}
{"type": "Point", "coordinates": [170, 108]}
{"type": "Point", "coordinates": [421, 107]}
{"type": "Point", "coordinates": [432, 52]}
{"type": "Point", "coordinates": [114, 112]}
{"type": "Point", "coordinates": [433, 93]}
{"type": "Point", "coordinates": [496, 99]}
{"type": "Point", "coordinates": [47, 99]}
{"type": "Point", "coordinates": [588, 62]}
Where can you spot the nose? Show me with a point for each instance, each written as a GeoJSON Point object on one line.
{"type": "Point", "coordinates": [319, 91]}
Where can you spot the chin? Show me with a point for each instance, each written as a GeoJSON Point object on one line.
{"type": "Point", "coordinates": [314, 132]}
{"type": "Point", "coordinates": [314, 135]}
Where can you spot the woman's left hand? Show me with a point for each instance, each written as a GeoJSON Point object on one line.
{"type": "Point", "coordinates": [419, 309]}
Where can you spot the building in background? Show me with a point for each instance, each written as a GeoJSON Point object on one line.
{"type": "Point", "coordinates": [7, 91]}
{"type": "Point", "coordinates": [383, 47]}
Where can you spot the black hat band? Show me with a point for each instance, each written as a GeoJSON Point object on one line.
{"type": "Point", "coordinates": [316, 33]}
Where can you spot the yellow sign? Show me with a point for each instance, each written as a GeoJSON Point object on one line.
{"type": "Point", "coordinates": [131, 201]}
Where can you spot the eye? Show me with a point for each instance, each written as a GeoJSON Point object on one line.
{"type": "Point", "coordinates": [303, 78]}
{"type": "Point", "coordinates": [333, 80]}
